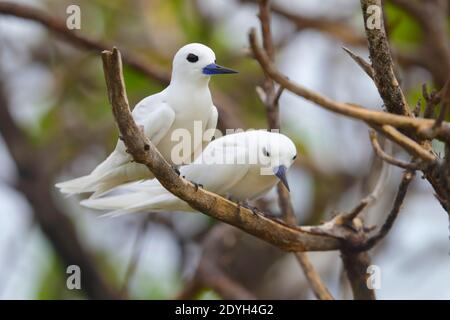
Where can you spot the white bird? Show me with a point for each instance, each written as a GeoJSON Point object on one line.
{"type": "Point", "coordinates": [186, 101]}
{"type": "Point", "coordinates": [241, 166]}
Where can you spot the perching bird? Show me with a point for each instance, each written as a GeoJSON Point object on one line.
{"type": "Point", "coordinates": [184, 103]}
{"type": "Point", "coordinates": [241, 166]}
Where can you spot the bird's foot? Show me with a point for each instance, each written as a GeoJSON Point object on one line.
{"type": "Point", "coordinates": [196, 185]}
{"type": "Point", "coordinates": [176, 170]}
{"type": "Point", "coordinates": [253, 209]}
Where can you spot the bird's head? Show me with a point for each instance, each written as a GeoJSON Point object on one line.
{"type": "Point", "coordinates": [277, 153]}
{"type": "Point", "coordinates": [196, 61]}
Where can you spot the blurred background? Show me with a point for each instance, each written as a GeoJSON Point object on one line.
{"type": "Point", "coordinates": [56, 124]}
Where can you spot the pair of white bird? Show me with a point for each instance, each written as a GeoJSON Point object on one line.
{"type": "Point", "coordinates": [185, 101]}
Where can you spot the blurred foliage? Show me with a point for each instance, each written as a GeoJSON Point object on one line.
{"type": "Point", "coordinates": [404, 30]}
{"type": "Point", "coordinates": [53, 282]}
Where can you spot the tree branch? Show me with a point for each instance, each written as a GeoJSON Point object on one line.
{"type": "Point", "coordinates": [270, 99]}
{"type": "Point", "coordinates": [383, 66]}
{"type": "Point", "coordinates": [416, 125]}
{"type": "Point", "coordinates": [408, 176]}
{"type": "Point", "coordinates": [389, 159]}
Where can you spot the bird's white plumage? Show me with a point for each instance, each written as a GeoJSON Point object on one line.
{"type": "Point", "coordinates": [230, 166]}
{"type": "Point", "coordinates": [185, 102]}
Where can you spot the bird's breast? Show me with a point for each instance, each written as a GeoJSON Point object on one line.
{"type": "Point", "coordinates": [186, 134]}
{"type": "Point", "coordinates": [253, 185]}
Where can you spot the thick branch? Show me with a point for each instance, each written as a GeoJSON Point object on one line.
{"type": "Point", "coordinates": [35, 182]}
{"type": "Point", "coordinates": [383, 66]}
{"type": "Point", "coordinates": [414, 148]}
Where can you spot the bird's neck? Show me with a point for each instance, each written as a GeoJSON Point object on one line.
{"type": "Point", "coordinates": [194, 94]}
{"type": "Point", "coordinates": [197, 83]}
{"type": "Point", "coordinates": [188, 88]}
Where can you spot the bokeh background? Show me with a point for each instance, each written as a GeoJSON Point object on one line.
{"type": "Point", "coordinates": [56, 95]}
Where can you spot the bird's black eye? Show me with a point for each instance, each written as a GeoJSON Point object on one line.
{"type": "Point", "coordinates": [266, 153]}
{"type": "Point", "coordinates": [192, 57]}
{"type": "Point", "coordinates": [294, 157]}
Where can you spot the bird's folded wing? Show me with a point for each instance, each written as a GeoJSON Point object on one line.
{"type": "Point", "coordinates": [157, 122]}
{"type": "Point", "coordinates": [217, 169]}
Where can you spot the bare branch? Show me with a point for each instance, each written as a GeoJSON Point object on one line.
{"type": "Point", "coordinates": [271, 98]}
{"type": "Point", "coordinates": [386, 227]}
{"type": "Point", "coordinates": [389, 159]}
{"type": "Point", "coordinates": [414, 148]}
{"type": "Point", "coordinates": [361, 62]}
{"type": "Point", "coordinates": [383, 66]}
{"type": "Point", "coordinates": [226, 105]}
{"type": "Point", "coordinates": [416, 125]}
{"type": "Point", "coordinates": [370, 198]}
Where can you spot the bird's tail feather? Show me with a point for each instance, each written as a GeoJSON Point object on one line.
{"type": "Point", "coordinates": [78, 185]}
{"type": "Point", "coordinates": [137, 197]}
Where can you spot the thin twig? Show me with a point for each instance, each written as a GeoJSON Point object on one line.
{"type": "Point", "coordinates": [386, 227]}
{"type": "Point", "coordinates": [356, 265]}
{"type": "Point", "coordinates": [414, 148]}
{"type": "Point", "coordinates": [417, 125]}
{"type": "Point", "coordinates": [270, 99]}
{"type": "Point", "coordinates": [382, 64]}
{"type": "Point", "coordinates": [370, 198]}
{"type": "Point", "coordinates": [361, 62]}
{"type": "Point", "coordinates": [389, 159]}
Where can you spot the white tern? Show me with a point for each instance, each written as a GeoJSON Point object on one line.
{"type": "Point", "coordinates": [186, 101]}
{"type": "Point", "coordinates": [241, 166]}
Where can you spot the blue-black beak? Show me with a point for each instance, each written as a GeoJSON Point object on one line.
{"type": "Point", "coordinates": [216, 69]}
{"type": "Point", "coordinates": [280, 172]}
